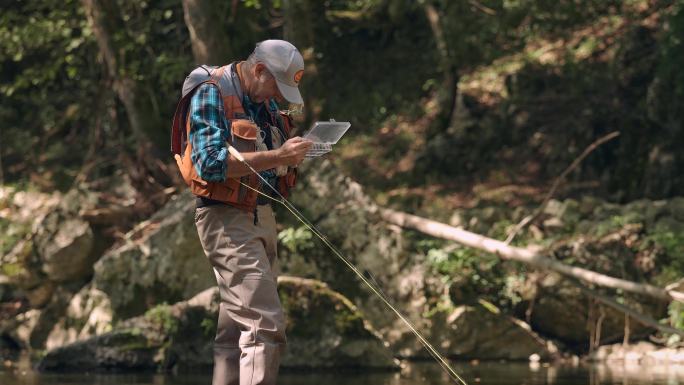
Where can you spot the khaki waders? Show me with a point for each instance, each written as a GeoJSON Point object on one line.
{"type": "Point", "coordinates": [250, 335]}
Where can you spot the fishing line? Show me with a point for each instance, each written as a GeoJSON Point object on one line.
{"type": "Point", "coordinates": [441, 360]}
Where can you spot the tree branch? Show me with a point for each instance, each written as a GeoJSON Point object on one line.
{"type": "Point", "coordinates": [528, 219]}
{"type": "Point", "coordinates": [527, 256]}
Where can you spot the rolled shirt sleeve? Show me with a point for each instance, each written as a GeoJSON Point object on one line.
{"type": "Point", "coordinates": [209, 131]}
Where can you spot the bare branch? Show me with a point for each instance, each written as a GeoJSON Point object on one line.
{"type": "Point", "coordinates": [482, 8]}
{"type": "Point", "coordinates": [557, 183]}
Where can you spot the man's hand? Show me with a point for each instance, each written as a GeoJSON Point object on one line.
{"type": "Point", "coordinates": [292, 152]}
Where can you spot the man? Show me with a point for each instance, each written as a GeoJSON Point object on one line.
{"type": "Point", "coordinates": [235, 104]}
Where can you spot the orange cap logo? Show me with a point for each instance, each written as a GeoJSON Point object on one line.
{"type": "Point", "coordinates": [298, 76]}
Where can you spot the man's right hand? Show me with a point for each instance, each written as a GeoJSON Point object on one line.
{"type": "Point", "coordinates": [292, 152]}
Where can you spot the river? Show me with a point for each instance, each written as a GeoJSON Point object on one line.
{"type": "Point", "coordinates": [494, 373]}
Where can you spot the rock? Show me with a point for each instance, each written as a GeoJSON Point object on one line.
{"type": "Point", "coordinates": [39, 296]}
{"type": "Point", "coordinates": [181, 335]}
{"type": "Point", "coordinates": [161, 261]}
{"type": "Point", "coordinates": [88, 314]}
{"type": "Point", "coordinates": [125, 349]}
{"type": "Point", "coordinates": [554, 208]}
{"type": "Point", "coordinates": [324, 329]}
{"type": "Point", "coordinates": [553, 224]}
{"type": "Point", "coordinates": [560, 311]}
{"type": "Point", "coordinates": [46, 242]}
{"type": "Point", "coordinates": [64, 244]}
{"type": "Point", "coordinates": [476, 332]}
{"type": "Point", "coordinates": [158, 340]}
{"type": "Point", "coordinates": [642, 353]}
{"type": "Point", "coordinates": [350, 221]}
{"type": "Point", "coordinates": [20, 328]}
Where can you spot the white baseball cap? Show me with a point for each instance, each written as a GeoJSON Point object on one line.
{"type": "Point", "coordinates": [286, 64]}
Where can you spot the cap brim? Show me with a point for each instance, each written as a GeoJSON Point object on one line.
{"type": "Point", "coordinates": [291, 94]}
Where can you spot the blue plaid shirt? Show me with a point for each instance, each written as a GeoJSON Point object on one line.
{"type": "Point", "coordinates": [209, 131]}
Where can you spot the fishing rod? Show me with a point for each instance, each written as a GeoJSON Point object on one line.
{"type": "Point", "coordinates": [375, 289]}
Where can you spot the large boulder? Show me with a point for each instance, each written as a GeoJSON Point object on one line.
{"type": "Point", "coordinates": [561, 311]}
{"type": "Point", "coordinates": [477, 331]}
{"type": "Point", "coordinates": [160, 261]}
{"type": "Point", "coordinates": [45, 242]}
{"type": "Point", "coordinates": [349, 220]}
{"type": "Point", "coordinates": [485, 333]}
{"type": "Point", "coordinates": [325, 330]}
{"type": "Point", "coordinates": [87, 314]}
{"type": "Point", "coordinates": [22, 214]}
{"type": "Point", "coordinates": [30, 328]}
{"type": "Point", "coordinates": [64, 242]}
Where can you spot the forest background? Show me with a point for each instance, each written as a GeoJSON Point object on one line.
{"type": "Point", "coordinates": [465, 112]}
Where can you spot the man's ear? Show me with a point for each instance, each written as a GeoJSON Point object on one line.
{"type": "Point", "coordinates": [259, 68]}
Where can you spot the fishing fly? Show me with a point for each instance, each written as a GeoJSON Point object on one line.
{"type": "Point", "coordinates": [375, 289]}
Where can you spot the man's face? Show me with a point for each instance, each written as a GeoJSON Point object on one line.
{"type": "Point", "coordinates": [265, 86]}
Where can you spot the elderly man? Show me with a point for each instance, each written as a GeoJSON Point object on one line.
{"type": "Point", "coordinates": [236, 104]}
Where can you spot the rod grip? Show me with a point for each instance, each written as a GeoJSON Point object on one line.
{"type": "Point", "coordinates": [234, 152]}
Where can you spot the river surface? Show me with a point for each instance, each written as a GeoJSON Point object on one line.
{"type": "Point", "coordinates": [413, 374]}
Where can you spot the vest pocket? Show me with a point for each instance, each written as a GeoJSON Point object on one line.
{"type": "Point", "coordinates": [226, 191]}
{"type": "Point", "coordinates": [199, 187]}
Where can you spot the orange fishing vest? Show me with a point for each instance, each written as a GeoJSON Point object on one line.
{"type": "Point", "coordinates": [243, 138]}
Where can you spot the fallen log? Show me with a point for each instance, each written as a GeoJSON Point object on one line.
{"type": "Point", "coordinates": [527, 256]}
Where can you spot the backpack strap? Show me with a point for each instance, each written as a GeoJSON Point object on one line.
{"type": "Point", "coordinates": [178, 131]}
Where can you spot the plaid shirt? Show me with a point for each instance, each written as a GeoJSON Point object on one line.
{"type": "Point", "coordinates": [209, 132]}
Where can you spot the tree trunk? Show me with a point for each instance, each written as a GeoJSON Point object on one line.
{"type": "Point", "coordinates": [210, 43]}
{"type": "Point", "coordinates": [448, 92]}
{"type": "Point", "coordinates": [103, 17]}
{"type": "Point", "coordinates": [526, 256]}
{"type": "Point", "coordinates": [2, 175]}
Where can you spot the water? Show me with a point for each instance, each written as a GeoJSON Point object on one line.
{"type": "Point", "coordinates": [413, 374]}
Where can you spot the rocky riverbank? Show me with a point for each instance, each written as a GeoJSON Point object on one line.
{"type": "Point", "coordinates": [143, 299]}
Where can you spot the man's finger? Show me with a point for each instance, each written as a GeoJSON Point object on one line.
{"type": "Point", "coordinates": [303, 145]}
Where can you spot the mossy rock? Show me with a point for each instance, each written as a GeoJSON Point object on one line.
{"type": "Point", "coordinates": [325, 330]}
{"type": "Point", "coordinates": [162, 262]}
{"type": "Point", "coordinates": [126, 349]}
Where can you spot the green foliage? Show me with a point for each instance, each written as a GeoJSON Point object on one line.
{"type": "Point", "coordinates": [671, 264]}
{"type": "Point", "coordinates": [669, 70]}
{"type": "Point", "coordinates": [296, 240]}
{"type": "Point", "coordinates": [162, 317]}
{"type": "Point", "coordinates": [10, 234]}
{"type": "Point", "coordinates": [616, 222]}
{"type": "Point", "coordinates": [675, 312]}
{"type": "Point", "coordinates": [462, 261]}
{"type": "Point", "coordinates": [46, 71]}
{"type": "Point", "coordinates": [208, 326]}
{"type": "Point", "coordinates": [477, 274]}
{"type": "Point", "coordinates": [347, 321]}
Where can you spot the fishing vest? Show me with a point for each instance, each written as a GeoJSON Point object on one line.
{"type": "Point", "coordinates": [243, 137]}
